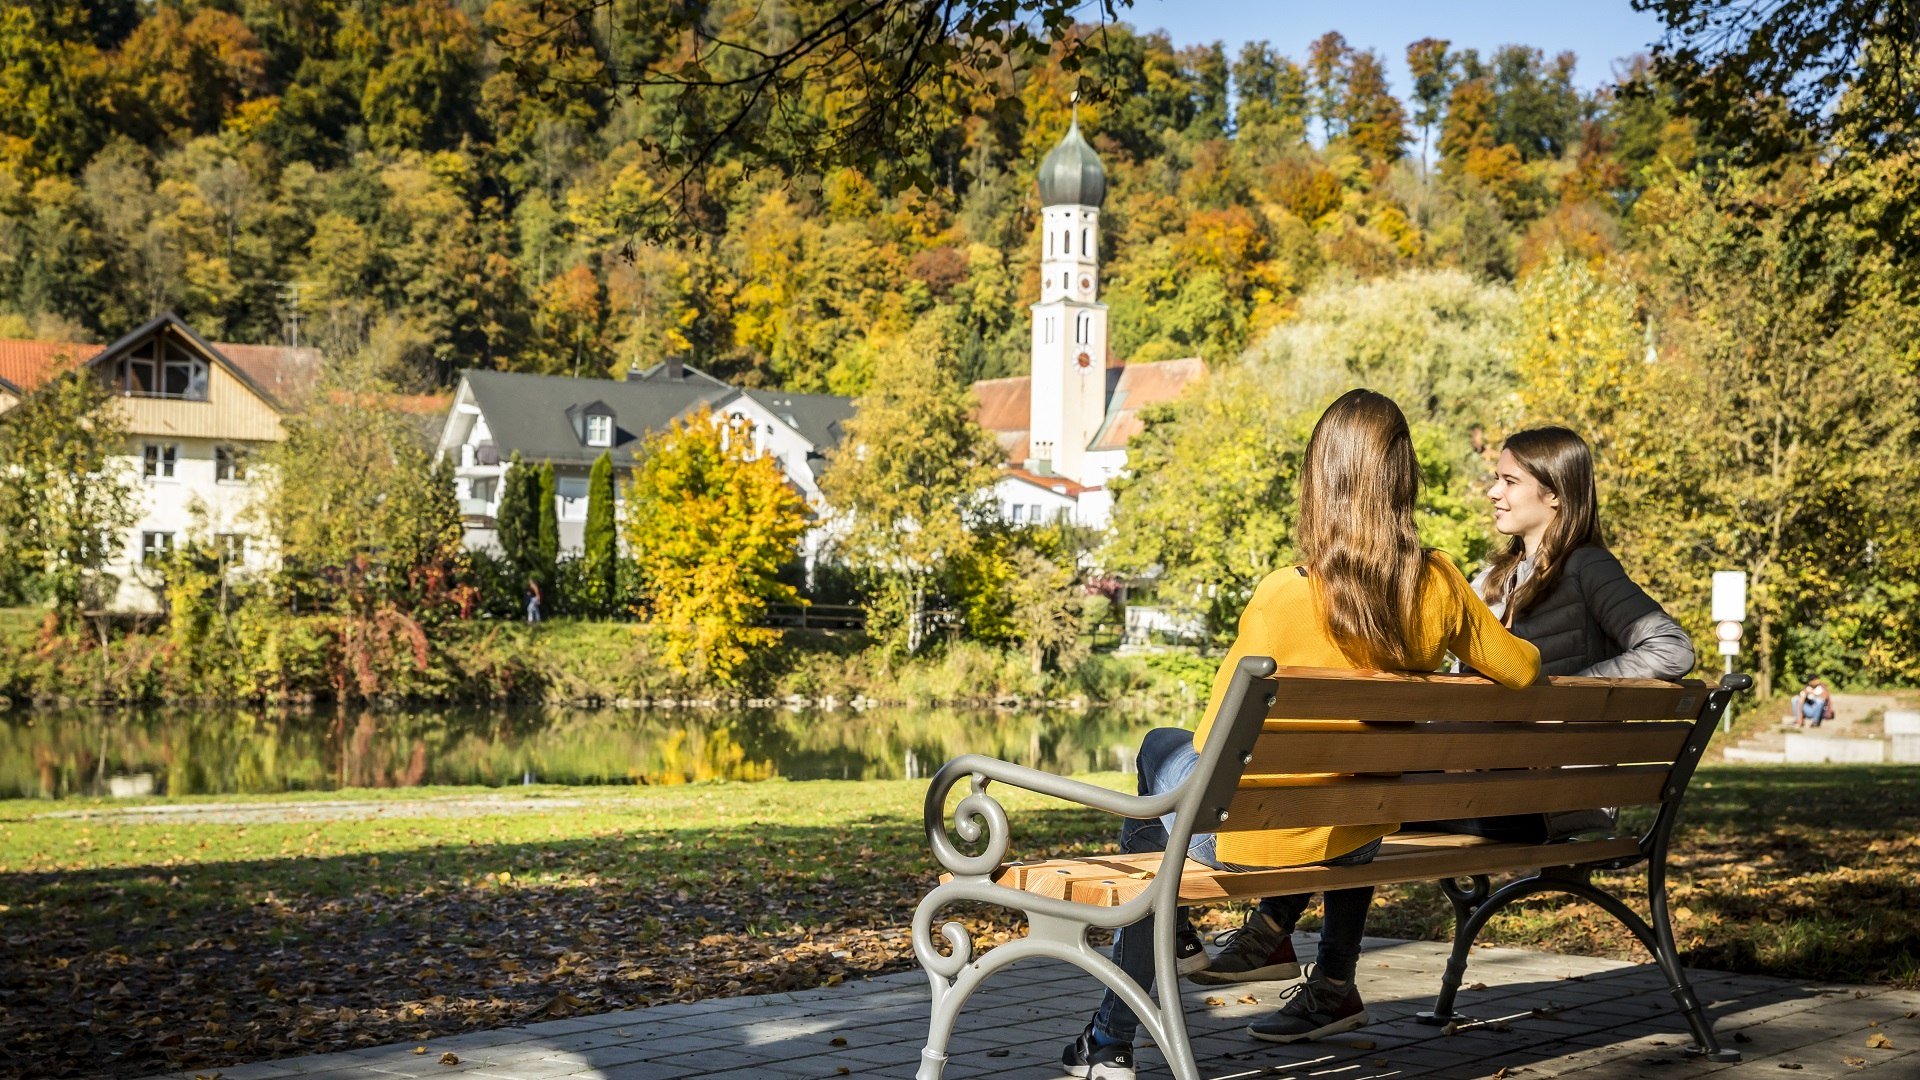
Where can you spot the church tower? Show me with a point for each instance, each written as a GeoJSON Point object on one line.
{"type": "Point", "coordinates": [1069, 384]}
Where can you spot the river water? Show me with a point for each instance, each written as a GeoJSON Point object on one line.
{"type": "Point", "coordinates": [221, 751]}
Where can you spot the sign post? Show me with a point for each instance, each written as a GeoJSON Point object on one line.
{"type": "Point", "coordinates": [1729, 615]}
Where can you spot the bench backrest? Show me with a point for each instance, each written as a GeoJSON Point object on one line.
{"type": "Point", "coordinates": [1312, 747]}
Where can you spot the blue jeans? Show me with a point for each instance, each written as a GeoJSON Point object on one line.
{"type": "Point", "coordinates": [1167, 758]}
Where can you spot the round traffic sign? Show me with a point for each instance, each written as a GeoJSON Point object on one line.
{"type": "Point", "coordinates": [1727, 630]}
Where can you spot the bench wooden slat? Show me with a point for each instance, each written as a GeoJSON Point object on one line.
{"type": "Point", "coordinates": [1394, 863]}
{"type": "Point", "coordinates": [1331, 694]}
{"type": "Point", "coordinates": [1309, 801]}
{"type": "Point", "coordinates": [1332, 747]}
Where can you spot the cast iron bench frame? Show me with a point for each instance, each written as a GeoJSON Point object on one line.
{"type": "Point", "coordinates": [1346, 747]}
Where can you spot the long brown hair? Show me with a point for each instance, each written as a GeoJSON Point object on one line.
{"type": "Point", "coordinates": [1357, 534]}
{"type": "Point", "coordinates": [1560, 461]}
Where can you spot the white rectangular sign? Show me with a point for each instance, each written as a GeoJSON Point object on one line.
{"type": "Point", "coordinates": [1729, 595]}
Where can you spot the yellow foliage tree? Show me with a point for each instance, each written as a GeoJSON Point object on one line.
{"type": "Point", "coordinates": [711, 522]}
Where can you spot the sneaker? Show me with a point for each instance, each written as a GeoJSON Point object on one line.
{"type": "Point", "coordinates": [1189, 954]}
{"type": "Point", "coordinates": [1317, 1009]}
{"type": "Point", "coordinates": [1113, 1061]}
{"type": "Point", "coordinates": [1254, 953]}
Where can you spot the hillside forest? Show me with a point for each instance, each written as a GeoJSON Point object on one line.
{"type": "Point", "coordinates": [411, 187]}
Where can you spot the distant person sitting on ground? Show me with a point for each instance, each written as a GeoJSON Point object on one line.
{"type": "Point", "coordinates": [1812, 705]}
{"type": "Point", "coordinates": [1365, 595]}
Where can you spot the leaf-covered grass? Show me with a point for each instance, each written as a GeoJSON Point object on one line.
{"type": "Point", "coordinates": [202, 932]}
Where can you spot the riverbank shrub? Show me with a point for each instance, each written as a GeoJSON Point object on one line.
{"type": "Point", "coordinates": [259, 654]}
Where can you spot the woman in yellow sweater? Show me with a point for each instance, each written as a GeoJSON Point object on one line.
{"type": "Point", "coordinates": [1366, 596]}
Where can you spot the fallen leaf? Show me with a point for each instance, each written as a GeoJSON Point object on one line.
{"type": "Point", "coordinates": [1856, 1062]}
{"type": "Point", "coordinates": [1363, 1044]}
{"type": "Point", "coordinates": [843, 1071]}
{"type": "Point", "coordinates": [837, 1040]}
{"type": "Point", "coordinates": [449, 1058]}
{"type": "Point", "coordinates": [1475, 986]}
{"type": "Point", "coordinates": [1216, 1002]}
{"type": "Point", "coordinates": [1791, 1065]}
{"type": "Point", "coordinates": [1877, 1041]}
{"type": "Point", "coordinates": [998, 1053]}
{"type": "Point", "coordinates": [1249, 1000]}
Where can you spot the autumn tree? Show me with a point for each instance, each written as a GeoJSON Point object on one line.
{"type": "Point", "coordinates": [909, 478]}
{"type": "Point", "coordinates": [67, 499]}
{"type": "Point", "coordinates": [711, 525]}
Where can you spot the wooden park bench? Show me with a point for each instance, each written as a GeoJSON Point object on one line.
{"type": "Point", "coordinates": [1301, 747]}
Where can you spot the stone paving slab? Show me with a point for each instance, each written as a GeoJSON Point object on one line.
{"type": "Point", "coordinates": [1529, 1016]}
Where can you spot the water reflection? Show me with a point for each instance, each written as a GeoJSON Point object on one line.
{"type": "Point", "coordinates": [55, 754]}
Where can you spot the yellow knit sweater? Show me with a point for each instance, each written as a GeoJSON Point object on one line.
{"type": "Point", "coordinates": [1284, 620]}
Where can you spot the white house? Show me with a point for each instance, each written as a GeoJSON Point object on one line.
{"type": "Point", "coordinates": [1064, 427]}
{"type": "Point", "coordinates": [571, 422]}
{"type": "Point", "coordinates": [197, 414]}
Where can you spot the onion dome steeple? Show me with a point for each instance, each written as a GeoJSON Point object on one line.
{"type": "Point", "coordinates": [1071, 174]}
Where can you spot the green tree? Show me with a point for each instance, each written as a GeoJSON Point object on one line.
{"type": "Point", "coordinates": [517, 521]}
{"type": "Point", "coordinates": [66, 500]}
{"type": "Point", "coordinates": [358, 506]}
{"type": "Point", "coordinates": [546, 548]}
{"type": "Point", "coordinates": [602, 542]}
{"type": "Point", "coordinates": [711, 525]}
{"type": "Point", "coordinates": [1433, 71]}
{"type": "Point", "coordinates": [909, 479]}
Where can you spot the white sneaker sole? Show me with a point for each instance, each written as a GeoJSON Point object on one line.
{"type": "Point", "coordinates": [1214, 977]}
{"type": "Point", "coordinates": [1349, 1023]}
{"type": "Point", "coordinates": [1198, 962]}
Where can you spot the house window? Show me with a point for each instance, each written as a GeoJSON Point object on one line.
{"type": "Point", "coordinates": [1086, 241]}
{"type": "Point", "coordinates": [229, 463]}
{"type": "Point", "coordinates": [1033, 514]}
{"type": "Point", "coordinates": [572, 493]}
{"type": "Point", "coordinates": [157, 368]}
{"type": "Point", "coordinates": [599, 430]}
{"type": "Point", "coordinates": [1083, 328]}
{"type": "Point", "coordinates": [1018, 510]}
{"type": "Point", "coordinates": [231, 546]}
{"type": "Point", "coordinates": [155, 546]}
{"type": "Point", "coordinates": [483, 488]}
{"type": "Point", "coordinates": [158, 459]}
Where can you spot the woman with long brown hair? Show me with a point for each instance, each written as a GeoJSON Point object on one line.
{"type": "Point", "coordinates": [1556, 584]}
{"type": "Point", "coordinates": [1365, 595]}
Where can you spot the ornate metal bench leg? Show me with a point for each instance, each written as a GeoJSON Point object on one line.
{"type": "Point", "coordinates": [1465, 903]}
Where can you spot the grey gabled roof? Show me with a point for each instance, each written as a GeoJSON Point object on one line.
{"type": "Point", "coordinates": [819, 418]}
{"type": "Point", "coordinates": [528, 413]}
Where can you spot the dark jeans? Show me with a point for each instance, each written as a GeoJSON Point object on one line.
{"type": "Point", "coordinates": [1166, 759]}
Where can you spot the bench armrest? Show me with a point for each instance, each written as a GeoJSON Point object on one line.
{"type": "Point", "coordinates": [980, 816]}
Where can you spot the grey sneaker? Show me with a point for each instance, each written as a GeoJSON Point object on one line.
{"type": "Point", "coordinates": [1113, 1061]}
{"type": "Point", "coordinates": [1315, 1010]}
{"type": "Point", "coordinates": [1254, 953]}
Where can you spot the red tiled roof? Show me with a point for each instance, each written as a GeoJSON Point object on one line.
{"type": "Point", "coordinates": [26, 364]}
{"type": "Point", "coordinates": [1006, 409]}
{"type": "Point", "coordinates": [1140, 386]}
{"type": "Point", "coordinates": [278, 371]}
{"type": "Point", "coordinates": [1051, 483]}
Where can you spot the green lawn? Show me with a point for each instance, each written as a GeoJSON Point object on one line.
{"type": "Point", "coordinates": [201, 936]}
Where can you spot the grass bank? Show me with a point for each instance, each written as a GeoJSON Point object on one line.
{"type": "Point", "coordinates": [292, 659]}
{"type": "Point", "coordinates": [361, 918]}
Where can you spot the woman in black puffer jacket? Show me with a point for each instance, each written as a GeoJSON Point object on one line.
{"type": "Point", "coordinates": [1556, 585]}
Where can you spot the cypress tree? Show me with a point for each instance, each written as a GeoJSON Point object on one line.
{"type": "Point", "coordinates": [601, 549]}
{"type": "Point", "coordinates": [547, 524]}
{"type": "Point", "coordinates": [515, 521]}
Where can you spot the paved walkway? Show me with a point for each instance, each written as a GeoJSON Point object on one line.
{"type": "Point", "coordinates": [1536, 1015]}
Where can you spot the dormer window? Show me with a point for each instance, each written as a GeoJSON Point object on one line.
{"type": "Point", "coordinates": [592, 423]}
{"type": "Point", "coordinates": [159, 368]}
